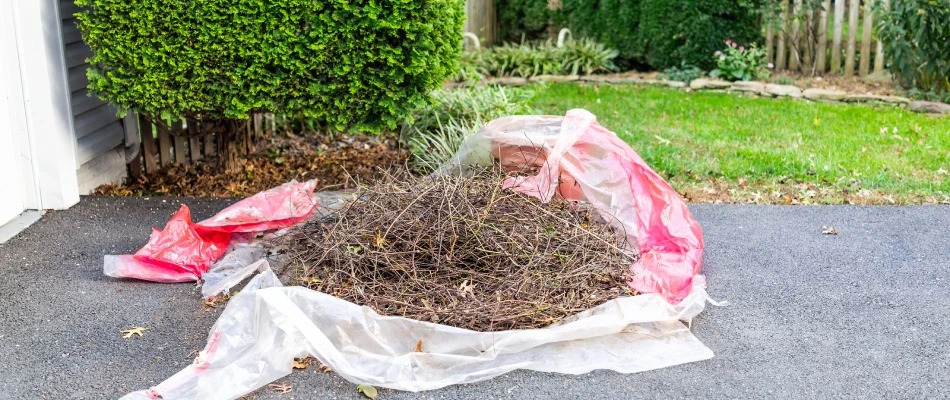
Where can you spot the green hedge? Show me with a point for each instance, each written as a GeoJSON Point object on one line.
{"type": "Point", "coordinates": [676, 32]}
{"type": "Point", "coordinates": [614, 23]}
{"type": "Point", "coordinates": [916, 38]}
{"type": "Point", "coordinates": [352, 64]}
{"type": "Point", "coordinates": [524, 20]}
{"type": "Point", "coordinates": [655, 33]}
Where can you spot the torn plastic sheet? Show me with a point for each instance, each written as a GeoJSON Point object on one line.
{"type": "Point", "coordinates": [265, 326]}
{"type": "Point", "coordinates": [184, 250]}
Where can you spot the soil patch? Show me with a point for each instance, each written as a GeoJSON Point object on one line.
{"type": "Point", "coordinates": [338, 164]}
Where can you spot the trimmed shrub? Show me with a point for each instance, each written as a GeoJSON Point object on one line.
{"type": "Point", "coordinates": [615, 23]}
{"type": "Point", "coordinates": [351, 64]}
{"type": "Point", "coordinates": [916, 38]}
{"type": "Point", "coordinates": [674, 32]}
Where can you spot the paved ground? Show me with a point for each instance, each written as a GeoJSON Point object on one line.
{"type": "Point", "coordinates": [862, 314]}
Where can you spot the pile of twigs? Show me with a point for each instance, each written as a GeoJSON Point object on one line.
{"type": "Point", "coordinates": [461, 251]}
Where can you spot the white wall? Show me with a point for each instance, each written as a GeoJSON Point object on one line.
{"type": "Point", "coordinates": [38, 103]}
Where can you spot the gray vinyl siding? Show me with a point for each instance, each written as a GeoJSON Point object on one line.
{"type": "Point", "coordinates": [97, 128]}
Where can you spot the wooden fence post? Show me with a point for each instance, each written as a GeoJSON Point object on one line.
{"type": "Point", "coordinates": [164, 144]}
{"type": "Point", "coordinates": [780, 49]}
{"type": "Point", "coordinates": [809, 39]}
{"type": "Point", "coordinates": [854, 6]}
{"type": "Point", "coordinates": [148, 144]}
{"type": "Point", "coordinates": [794, 57]}
{"type": "Point", "coordinates": [865, 65]}
{"type": "Point", "coordinates": [879, 54]}
{"type": "Point", "coordinates": [194, 141]}
{"type": "Point", "coordinates": [836, 39]}
{"type": "Point", "coordinates": [180, 158]}
{"type": "Point", "coordinates": [822, 37]}
{"type": "Point", "coordinates": [480, 20]}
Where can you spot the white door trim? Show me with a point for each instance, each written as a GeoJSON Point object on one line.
{"type": "Point", "coordinates": [46, 144]}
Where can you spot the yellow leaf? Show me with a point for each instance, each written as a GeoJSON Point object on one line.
{"type": "Point", "coordinates": [367, 391]}
{"type": "Point", "coordinates": [135, 330]}
{"type": "Point", "coordinates": [380, 240]}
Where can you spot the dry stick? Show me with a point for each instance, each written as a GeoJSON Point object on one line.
{"type": "Point", "coordinates": [431, 280]}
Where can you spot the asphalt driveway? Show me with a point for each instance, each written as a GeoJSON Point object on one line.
{"type": "Point", "coordinates": [861, 314]}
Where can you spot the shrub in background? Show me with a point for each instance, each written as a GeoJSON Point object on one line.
{"type": "Point", "coordinates": [916, 38]}
{"type": "Point", "coordinates": [454, 115]}
{"type": "Point", "coordinates": [586, 56]}
{"type": "Point", "coordinates": [740, 63]}
{"type": "Point", "coordinates": [583, 56]}
{"type": "Point", "coordinates": [688, 31]}
{"type": "Point", "coordinates": [522, 20]}
{"type": "Point", "coordinates": [352, 64]}
{"type": "Point", "coordinates": [524, 60]}
{"type": "Point", "coordinates": [683, 73]}
{"type": "Point", "coordinates": [615, 23]}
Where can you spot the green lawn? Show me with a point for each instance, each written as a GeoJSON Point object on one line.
{"type": "Point", "coordinates": [731, 148]}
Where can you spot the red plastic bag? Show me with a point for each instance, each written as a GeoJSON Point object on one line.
{"type": "Point", "coordinates": [184, 250]}
{"type": "Point", "coordinates": [276, 208]}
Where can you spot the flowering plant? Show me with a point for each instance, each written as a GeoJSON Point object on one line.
{"type": "Point", "coordinates": [740, 63]}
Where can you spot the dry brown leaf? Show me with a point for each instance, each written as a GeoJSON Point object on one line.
{"type": "Point", "coordinates": [301, 363]}
{"type": "Point", "coordinates": [281, 388]}
{"type": "Point", "coordinates": [418, 346]}
{"type": "Point", "coordinates": [135, 330]}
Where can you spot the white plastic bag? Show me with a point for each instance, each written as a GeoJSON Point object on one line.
{"type": "Point", "coordinates": [266, 326]}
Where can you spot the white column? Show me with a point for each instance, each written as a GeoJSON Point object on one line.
{"type": "Point", "coordinates": [48, 145]}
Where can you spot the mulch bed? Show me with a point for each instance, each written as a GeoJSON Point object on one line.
{"type": "Point", "coordinates": [338, 163]}
{"type": "Point", "coordinates": [461, 251]}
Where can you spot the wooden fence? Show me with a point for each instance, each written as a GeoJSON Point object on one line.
{"type": "Point", "coordinates": [161, 148]}
{"type": "Point", "coordinates": [798, 39]}
{"type": "Point", "coordinates": [480, 20]}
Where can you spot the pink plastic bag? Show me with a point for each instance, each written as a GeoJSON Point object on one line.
{"type": "Point", "coordinates": [184, 250]}
{"type": "Point", "coordinates": [276, 208]}
{"type": "Point", "coordinates": [581, 160]}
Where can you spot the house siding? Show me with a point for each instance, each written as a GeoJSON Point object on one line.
{"type": "Point", "coordinates": [100, 133]}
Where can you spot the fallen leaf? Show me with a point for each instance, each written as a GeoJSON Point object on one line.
{"type": "Point", "coordinates": [135, 330]}
{"type": "Point", "coordinates": [829, 230]}
{"type": "Point", "coordinates": [418, 346]}
{"type": "Point", "coordinates": [301, 363]}
{"type": "Point", "coordinates": [280, 388]}
{"type": "Point", "coordinates": [325, 368]}
{"type": "Point", "coordinates": [367, 391]}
